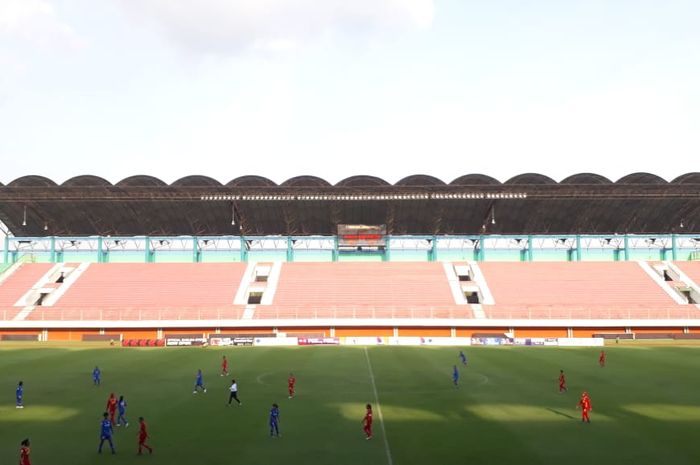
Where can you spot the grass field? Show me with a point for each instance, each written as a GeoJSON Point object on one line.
{"type": "Point", "coordinates": [646, 405]}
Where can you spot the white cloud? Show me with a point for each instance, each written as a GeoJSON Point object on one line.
{"type": "Point", "coordinates": [233, 26]}
{"type": "Point", "coordinates": [36, 22]}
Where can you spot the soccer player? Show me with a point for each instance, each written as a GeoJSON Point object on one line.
{"type": "Point", "coordinates": [291, 381]}
{"type": "Point", "coordinates": [275, 421]}
{"type": "Point", "coordinates": [106, 433]}
{"type": "Point", "coordinates": [143, 435]}
{"type": "Point", "coordinates": [455, 376]}
{"type": "Point", "coordinates": [463, 358]}
{"type": "Point", "coordinates": [24, 453]}
{"type": "Point", "coordinates": [234, 392]}
{"type": "Point", "coordinates": [112, 406]}
{"type": "Point", "coordinates": [19, 394]}
{"type": "Point", "coordinates": [601, 358]}
{"type": "Point", "coordinates": [199, 383]}
{"type": "Point", "coordinates": [585, 405]}
{"type": "Point", "coordinates": [367, 422]}
{"type": "Point", "coordinates": [562, 382]}
{"type": "Point", "coordinates": [224, 367]}
{"type": "Point", "coordinates": [121, 406]}
{"type": "Point", "coordinates": [96, 376]}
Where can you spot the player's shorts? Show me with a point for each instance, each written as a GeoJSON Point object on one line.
{"type": "Point", "coordinates": [105, 437]}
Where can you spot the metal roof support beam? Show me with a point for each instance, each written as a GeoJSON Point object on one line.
{"type": "Point", "coordinates": [244, 250]}
{"type": "Point", "coordinates": [674, 247]}
{"type": "Point", "coordinates": [52, 252]}
{"type": "Point", "coordinates": [578, 247]}
{"type": "Point", "coordinates": [290, 250]}
{"type": "Point", "coordinates": [150, 254]}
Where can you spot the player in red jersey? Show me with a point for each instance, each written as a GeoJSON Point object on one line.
{"type": "Point", "coordinates": [112, 407]}
{"type": "Point", "coordinates": [291, 381]}
{"type": "Point", "coordinates": [585, 405]}
{"type": "Point", "coordinates": [24, 453]}
{"type": "Point", "coordinates": [367, 422]}
{"type": "Point", "coordinates": [143, 435]}
{"type": "Point", "coordinates": [601, 359]}
{"type": "Point", "coordinates": [224, 367]}
{"type": "Point", "coordinates": [562, 382]}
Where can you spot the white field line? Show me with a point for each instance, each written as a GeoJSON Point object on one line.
{"type": "Point", "coordinates": [389, 460]}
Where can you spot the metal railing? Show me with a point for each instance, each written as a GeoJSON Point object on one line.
{"type": "Point", "coordinates": [354, 312]}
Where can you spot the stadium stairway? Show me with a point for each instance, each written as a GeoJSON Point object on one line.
{"type": "Point", "coordinates": [35, 282]}
{"type": "Point", "coordinates": [684, 278]}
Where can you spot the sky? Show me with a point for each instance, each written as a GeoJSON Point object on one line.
{"type": "Point", "coordinates": [331, 88]}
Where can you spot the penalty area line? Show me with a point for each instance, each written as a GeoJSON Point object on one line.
{"type": "Point", "coordinates": [389, 460]}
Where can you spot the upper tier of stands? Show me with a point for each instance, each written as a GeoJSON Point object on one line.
{"type": "Point", "coordinates": [191, 291]}
{"type": "Point", "coordinates": [17, 284]}
{"type": "Point", "coordinates": [576, 289]}
{"type": "Point", "coordinates": [139, 285]}
{"type": "Point", "coordinates": [407, 284]}
{"type": "Point", "coordinates": [691, 269]}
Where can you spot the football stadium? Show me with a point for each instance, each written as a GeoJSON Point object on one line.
{"type": "Point", "coordinates": [332, 232]}
{"type": "Point", "coordinates": [470, 315]}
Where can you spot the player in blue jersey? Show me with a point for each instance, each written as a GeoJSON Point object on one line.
{"type": "Point", "coordinates": [455, 376]}
{"type": "Point", "coordinates": [96, 376]}
{"type": "Point", "coordinates": [106, 433]}
{"type": "Point", "coordinates": [121, 406]}
{"type": "Point", "coordinates": [199, 383]}
{"type": "Point", "coordinates": [275, 421]}
{"type": "Point", "coordinates": [19, 394]}
{"type": "Point", "coordinates": [463, 358]}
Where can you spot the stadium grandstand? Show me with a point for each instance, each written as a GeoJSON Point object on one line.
{"type": "Point", "coordinates": [529, 257]}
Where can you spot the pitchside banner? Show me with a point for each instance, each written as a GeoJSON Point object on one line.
{"type": "Point", "coordinates": [535, 341]}
{"type": "Point", "coordinates": [184, 341]}
{"type": "Point", "coordinates": [231, 341]}
{"type": "Point", "coordinates": [491, 341]}
{"type": "Point", "coordinates": [318, 341]}
{"type": "Point", "coordinates": [581, 342]}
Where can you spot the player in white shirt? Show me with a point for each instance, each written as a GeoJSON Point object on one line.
{"type": "Point", "coordinates": [234, 392]}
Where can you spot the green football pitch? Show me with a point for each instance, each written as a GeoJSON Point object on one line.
{"type": "Point", "coordinates": [507, 409]}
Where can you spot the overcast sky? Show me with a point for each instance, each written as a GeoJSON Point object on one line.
{"type": "Point", "coordinates": [335, 88]}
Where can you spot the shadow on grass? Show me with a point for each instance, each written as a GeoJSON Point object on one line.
{"type": "Point", "coordinates": [563, 414]}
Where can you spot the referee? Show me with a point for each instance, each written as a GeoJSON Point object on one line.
{"type": "Point", "coordinates": [234, 392]}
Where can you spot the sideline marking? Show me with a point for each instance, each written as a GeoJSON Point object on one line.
{"type": "Point", "coordinates": [379, 410]}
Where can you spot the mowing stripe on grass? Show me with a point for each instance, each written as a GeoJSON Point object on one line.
{"type": "Point", "coordinates": [389, 460]}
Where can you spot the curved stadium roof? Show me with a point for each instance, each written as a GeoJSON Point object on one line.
{"type": "Point", "coordinates": [529, 203]}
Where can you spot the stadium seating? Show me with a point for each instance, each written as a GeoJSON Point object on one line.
{"type": "Point", "coordinates": [596, 290]}
{"type": "Point", "coordinates": [352, 290]}
{"type": "Point", "coordinates": [17, 284]}
{"type": "Point", "coordinates": [691, 269]}
{"type": "Point", "coordinates": [364, 290]}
